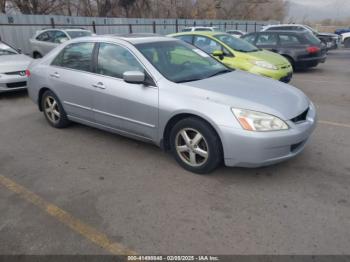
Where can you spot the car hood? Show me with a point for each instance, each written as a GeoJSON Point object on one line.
{"type": "Point", "coordinates": [328, 34]}
{"type": "Point", "coordinates": [247, 91]}
{"type": "Point", "coordinates": [13, 63]}
{"type": "Point", "coordinates": [267, 56]}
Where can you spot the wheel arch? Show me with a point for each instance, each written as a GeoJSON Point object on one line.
{"type": "Point", "coordinates": [165, 143]}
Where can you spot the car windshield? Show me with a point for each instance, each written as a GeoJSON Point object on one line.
{"type": "Point", "coordinates": [180, 62]}
{"type": "Point", "coordinates": [76, 34]}
{"type": "Point", "coordinates": [236, 43]}
{"type": "Point", "coordinates": [7, 50]}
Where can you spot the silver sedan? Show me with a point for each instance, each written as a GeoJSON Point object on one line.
{"type": "Point", "coordinates": [13, 66]}
{"type": "Point", "coordinates": [167, 92]}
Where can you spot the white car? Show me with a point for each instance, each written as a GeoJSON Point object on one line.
{"type": "Point", "coordinates": [236, 33]}
{"type": "Point", "coordinates": [46, 40]}
{"type": "Point", "coordinates": [13, 69]}
{"type": "Point", "coordinates": [346, 39]}
{"type": "Point", "coordinates": [201, 28]}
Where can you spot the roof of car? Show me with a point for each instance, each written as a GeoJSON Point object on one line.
{"type": "Point", "coordinates": [281, 31]}
{"type": "Point", "coordinates": [132, 38]}
{"type": "Point", "coordinates": [204, 33]}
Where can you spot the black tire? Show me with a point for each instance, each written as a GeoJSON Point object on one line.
{"type": "Point", "coordinates": [347, 43]}
{"type": "Point", "coordinates": [37, 55]}
{"type": "Point", "coordinates": [291, 61]}
{"type": "Point", "coordinates": [60, 121]}
{"type": "Point", "coordinates": [210, 142]}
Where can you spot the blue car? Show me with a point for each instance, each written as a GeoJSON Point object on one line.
{"type": "Point", "coordinates": [342, 31]}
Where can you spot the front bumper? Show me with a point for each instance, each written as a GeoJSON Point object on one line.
{"type": "Point", "coordinates": [255, 149]}
{"type": "Point", "coordinates": [10, 83]}
{"type": "Point", "coordinates": [282, 74]}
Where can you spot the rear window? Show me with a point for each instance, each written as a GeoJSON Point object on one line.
{"type": "Point", "coordinates": [312, 39]}
{"type": "Point", "coordinates": [186, 38]}
{"type": "Point", "coordinates": [286, 39]}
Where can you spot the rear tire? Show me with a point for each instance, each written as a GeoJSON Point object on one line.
{"type": "Point", "coordinates": [196, 146]}
{"type": "Point", "coordinates": [53, 110]}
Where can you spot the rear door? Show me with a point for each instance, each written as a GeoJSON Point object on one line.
{"type": "Point", "coordinates": [72, 79]}
{"type": "Point", "coordinates": [267, 40]}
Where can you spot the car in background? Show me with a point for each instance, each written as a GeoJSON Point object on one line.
{"type": "Point", "coordinates": [13, 68]}
{"type": "Point", "coordinates": [332, 41]}
{"type": "Point", "coordinates": [301, 48]}
{"type": "Point", "coordinates": [166, 92]}
{"type": "Point", "coordinates": [201, 29]}
{"type": "Point", "coordinates": [236, 33]}
{"type": "Point", "coordinates": [239, 54]}
{"type": "Point", "coordinates": [342, 31]}
{"type": "Point", "coordinates": [346, 39]}
{"type": "Point", "coordinates": [46, 40]}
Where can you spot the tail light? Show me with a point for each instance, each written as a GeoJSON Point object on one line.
{"type": "Point", "coordinates": [313, 49]}
{"type": "Point", "coordinates": [27, 73]}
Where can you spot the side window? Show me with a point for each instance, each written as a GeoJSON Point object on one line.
{"type": "Point", "coordinates": [186, 38]}
{"type": "Point", "coordinates": [76, 56]}
{"type": "Point", "coordinates": [266, 39]}
{"type": "Point", "coordinates": [114, 60]}
{"type": "Point", "coordinates": [288, 39]}
{"type": "Point", "coordinates": [59, 37]}
{"type": "Point", "coordinates": [45, 37]}
{"type": "Point", "coordinates": [208, 45]}
{"type": "Point", "coordinates": [249, 38]}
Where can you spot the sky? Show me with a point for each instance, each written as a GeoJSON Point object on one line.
{"type": "Point", "coordinates": [320, 9]}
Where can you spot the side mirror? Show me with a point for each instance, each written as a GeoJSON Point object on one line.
{"type": "Point", "coordinates": [219, 53]}
{"type": "Point", "coordinates": [134, 77]}
{"type": "Point", "coordinates": [19, 51]}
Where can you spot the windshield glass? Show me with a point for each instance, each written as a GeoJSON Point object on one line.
{"type": "Point", "coordinates": [7, 50]}
{"type": "Point", "coordinates": [180, 62]}
{"type": "Point", "coordinates": [76, 34]}
{"type": "Point", "coordinates": [236, 43]}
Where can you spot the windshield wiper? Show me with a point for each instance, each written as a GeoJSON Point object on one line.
{"type": "Point", "coordinates": [221, 72]}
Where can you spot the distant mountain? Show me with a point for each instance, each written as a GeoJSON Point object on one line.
{"type": "Point", "coordinates": [299, 11]}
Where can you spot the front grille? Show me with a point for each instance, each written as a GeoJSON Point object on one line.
{"type": "Point", "coordinates": [19, 73]}
{"type": "Point", "coordinates": [301, 117]}
{"type": "Point", "coordinates": [16, 84]}
{"type": "Point", "coordinates": [285, 66]}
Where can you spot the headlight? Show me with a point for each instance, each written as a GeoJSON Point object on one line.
{"type": "Point", "coordinates": [260, 122]}
{"type": "Point", "coordinates": [264, 64]}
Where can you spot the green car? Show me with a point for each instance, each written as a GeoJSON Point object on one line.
{"type": "Point", "coordinates": [239, 54]}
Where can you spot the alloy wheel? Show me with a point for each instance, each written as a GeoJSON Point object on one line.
{"type": "Point", "coordinates": [52, 110]}
{"type": "Point", "coordinates": [192, 147]}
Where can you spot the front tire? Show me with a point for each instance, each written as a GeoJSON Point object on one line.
{"type": "Point", "coordinates": [53, 110]}
{"type": "Point", "coordinates": [196, 146]}
{"type": "Point", "coordinates": [347, 43]}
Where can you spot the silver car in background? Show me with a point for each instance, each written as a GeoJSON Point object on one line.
{"type": "Point", "coordinates": [167, 92]}
{"type": "Point", "coordinates": [13, 66]}
{"type": "Point", "coordinates": [46, 40]}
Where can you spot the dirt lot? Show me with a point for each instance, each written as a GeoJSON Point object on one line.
{"type": "Point", "coordinates": [85, 191]}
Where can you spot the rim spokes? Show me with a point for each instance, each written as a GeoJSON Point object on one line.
{"type": "Point", "coordinates": [192, 147]}
{"type": "Point", "coordinates": [51, 109]}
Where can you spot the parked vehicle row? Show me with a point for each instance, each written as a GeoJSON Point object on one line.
{"type": "Point", "coordinates": [239, 54]}
{"type": "Point", "coordinates": [165, 91]}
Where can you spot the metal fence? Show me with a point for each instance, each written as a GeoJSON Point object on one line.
{"type": "Point", "coordinates": [18, 29]}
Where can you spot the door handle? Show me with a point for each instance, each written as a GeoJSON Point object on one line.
{"type": "Point", "coordinates": [55, 75]}
{"type": "Point", "coordinates": [99, 85]}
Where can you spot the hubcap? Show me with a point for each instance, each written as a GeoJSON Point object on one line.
{"type": "Point", "coordinates": [51, 109]}
{"type": "Point", "coordinates": [192, 147]}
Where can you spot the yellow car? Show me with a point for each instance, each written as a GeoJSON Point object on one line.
{"type": "Point", "coordinates": [239, 54]}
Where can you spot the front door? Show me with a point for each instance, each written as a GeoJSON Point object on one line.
{"type": "Point", "coordinates": [128, 108]}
